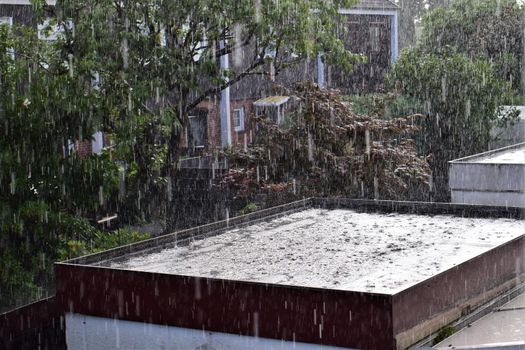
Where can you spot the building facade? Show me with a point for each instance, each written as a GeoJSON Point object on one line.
{"type": "Point", "coordinates": [371, 29]}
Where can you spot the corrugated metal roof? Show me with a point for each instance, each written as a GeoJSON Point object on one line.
{"type": "Point", "coordinates": [377, 5]}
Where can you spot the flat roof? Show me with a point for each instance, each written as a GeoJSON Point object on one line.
{"type": "Point", "coordinates": [337, 249]}
{"type": "Point", "coordinates": [514, 154]}
{"type": "Point", "coordinates": [503, 327]}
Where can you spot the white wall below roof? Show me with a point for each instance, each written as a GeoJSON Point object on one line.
{"type": "Point", "coordinates": [473, 180]}
{"type": "Point", "coordinates": [503, 199]}
{"type": "Point", "coordinates": [89, 332]}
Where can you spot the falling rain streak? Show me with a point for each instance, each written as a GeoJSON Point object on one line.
{"type": "Point", "coordinates": [261, 174]}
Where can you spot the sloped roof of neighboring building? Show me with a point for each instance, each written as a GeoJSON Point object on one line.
{"type": "Point", "coordinates": [377, 5]}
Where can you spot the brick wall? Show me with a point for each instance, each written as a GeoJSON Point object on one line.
{"type": "Point", "coordinates": [212, 104]}
{"type": "Point", "coordinates": [238, 138]}
{"type": "Point", "coordinates": [214, 121]}
{"type": "Point", "coordinates": [84, 148]}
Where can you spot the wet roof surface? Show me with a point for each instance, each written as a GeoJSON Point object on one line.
{"type": "Point", "coordinates": [336, 249]}
{"type": "Point", "coordinates": [508, 155]}
{"type": "Point", "coordinates": [506, 325]}
{"type": "Point", "coordinates": [515, 156]}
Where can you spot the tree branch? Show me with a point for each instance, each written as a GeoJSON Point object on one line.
{"type": "Point", "coordinates": [217, 89]}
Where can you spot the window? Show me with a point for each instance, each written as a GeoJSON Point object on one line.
{"type": "Point", "coordinates": [238, 119]}
{"type": "Point", "coordinates": [198, 129]}
{"type": "Point", "coordinates": [374, 39]}
{"type": "Point", "coordinates": [6, 20]}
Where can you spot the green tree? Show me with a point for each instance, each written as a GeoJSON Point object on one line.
{"type": "Point", "coordinates": [134, 69]}
{"type": "Point", "coordinates": [481, 29]}
{"type": "Point", "coordinates": [43, 108]}
{"type": "Point", "coordinates": [412, 11]}
{"type": "Point", "coordinates": [461, 99]}
{"type": "Point", "coordinates": [157, 60]}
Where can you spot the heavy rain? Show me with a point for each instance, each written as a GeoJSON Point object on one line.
{"type": "Point", "coordinates": [262, 174]}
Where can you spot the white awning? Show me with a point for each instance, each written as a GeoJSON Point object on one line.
{"type": "Point", "coordinates": [272, 101]}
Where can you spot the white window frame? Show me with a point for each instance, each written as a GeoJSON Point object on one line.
{"type": "Point", "coordinates": [6, 20]}
{"type": "Point", "coordinates": [240, 112]}
{"type": "Point", "coordinates": [188, 130]}
{"type": "Point", "coordinates": [394, 24]}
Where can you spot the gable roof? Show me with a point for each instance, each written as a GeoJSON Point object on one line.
{"type": "Point", "coordinates": [377, 5]}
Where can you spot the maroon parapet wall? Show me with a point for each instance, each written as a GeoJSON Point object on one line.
{"type": "Point", "coordinates": [319, 316]}
{"type": "Point", "coordinates": [445, 297]}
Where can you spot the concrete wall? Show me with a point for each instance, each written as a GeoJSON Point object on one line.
{"type": "Point", "coordinates": [88, 332]}
{"type": "Point", "coordinates": [495, 178]}
{"type": "Point", "coordinates": [38, 325]}
{"type": "Point", "coordinates": [488, 184]}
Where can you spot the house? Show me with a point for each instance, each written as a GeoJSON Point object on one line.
{"type": "Point", "coordinates": [20, 12]}
{"type": "Point", "coordinates": [372, 30]}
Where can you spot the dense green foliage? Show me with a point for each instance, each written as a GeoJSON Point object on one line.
{"type": "Point", "coordinates": [157, 60]}
{"type": "Point", "coordinates": [467, 64]}
{"type": "Point", "coordinates": [44, 188]}
{"type": "Point", "coordinates": [461, 99]}
{"type": "Point", "coordinates": [411, 13]}
{"type": "Point", "coordinates": [490, 30]}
